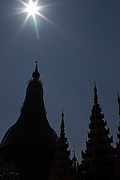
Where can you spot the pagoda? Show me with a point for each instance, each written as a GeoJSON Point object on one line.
{"type": "Point", "coordinates": [30, 144]}
{"type": "Point", "coordinates": [98, 158]}
{"type": "Point", "coordinates": [117, 150]}
{"type": "Point", "coordinates": [62, 167]}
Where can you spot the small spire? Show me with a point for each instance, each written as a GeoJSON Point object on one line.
{"type": "Point", "coordinates": [95, 94]}
{"type": "Point", "coordinates": [119, 103]}
{"type": "Point", "coordinates": [36, 74]}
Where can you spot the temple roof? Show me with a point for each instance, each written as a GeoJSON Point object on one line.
{"type": "Point", "coordinates": [32, 127]}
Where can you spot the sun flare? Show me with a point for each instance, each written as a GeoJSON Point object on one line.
{"type": "Point", "coordinates": [33, 8]}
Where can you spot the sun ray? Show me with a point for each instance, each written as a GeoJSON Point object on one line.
{"type": "Point", "coordinates": [48, 20]}
{"type": "Point", "coordinates": [36, 28]}
{"type": "Point", "coordinates": [22, 2]}
{"type": "Point", "coordinates": [25, 21]}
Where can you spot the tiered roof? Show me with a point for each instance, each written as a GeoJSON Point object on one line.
{"type": "Point", "coordinates": [117, 150]}
{"type": "Point", "coordinates": [62, 165]}
{"type": "Point", "coordinates": [97, 160]}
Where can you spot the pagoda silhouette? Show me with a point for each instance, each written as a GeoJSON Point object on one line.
{"type": "Point", "coordinates": [62, 167]}
{"type": "Point", "coordinates": [28, 147]}
{"type": "Point", "coordinates": [98, 158]}
{"type": "Point", "coordinates": [31, 150]}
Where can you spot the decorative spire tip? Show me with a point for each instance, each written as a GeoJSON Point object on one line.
{"type": "Point", "coordinates": [118, 103]}
{"type": "Point", "coordinates": [62, 122]}
{"type": "Point", "coordinates": [94, 83]}
{"type": "Point", "coordinates": [118, 97]}
{"type": "Point", "coordinates": [95, 94]}
{"type": "Point", "coordinates": [36, 74]}
{"type": "Point", "coordinates": [62, 114]}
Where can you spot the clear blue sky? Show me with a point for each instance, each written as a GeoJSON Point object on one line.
{"type": "Point", "coordinates": [83, 48]}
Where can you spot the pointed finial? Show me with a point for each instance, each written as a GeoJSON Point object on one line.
{"type": "Point", "coordinates": [36, 63]}
{"type": "Point", "coordinates": [74, 156]}
{"type": "Point", "coordinates": [95, 94]}
{"type": "Point", "coordinates": [36, 67]}
{"type": "Point", "coordinates": [62, 114]}
{"type": "Point", "coordinates": [119, 103]}
{"type": "Point", "coordinates": [73, 152]}
{"type": "Point", "coordinates": [62, 128]}
{"type": "Point", "coordinates": [94, 84]}
{"type": "Point", "coordinates": [36, 74]}
{"type": "Point", "coordinates": [74, 160]}
{"type": "Point", "coordinates": [118, 97]}
{"type": "Point", "coordinates": [62, 122]}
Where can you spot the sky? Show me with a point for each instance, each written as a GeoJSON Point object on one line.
{"type": "Point", "coordinates": [80, 46]}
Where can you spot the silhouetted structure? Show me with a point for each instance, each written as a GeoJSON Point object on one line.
{"type": "Point", "coordinates": [117, 152]}
{"type": "Point", "coordinates": [75, 167]}
{"type": "Point", "coordinates": [30, 142]}
{"type": "Point", "coordinates": [98, 159]}
{"type": "Point", "coordinates": [10, 171]}
{"type": "Point", "coordinates": [62, 167]}
{"type": "Point", "coordinates": [30, 150]}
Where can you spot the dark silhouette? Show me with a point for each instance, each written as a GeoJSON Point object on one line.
{"type": "Point", "coordinates": [117, 150]}
{"type": "Point", "coordinates": [98, 159]}
{"type": "Point", "coordinates": [62, 167]}
{"type": "Point", "coordinates": [30, 142]}
{"type": "Point", "coordinates": [30, 149]}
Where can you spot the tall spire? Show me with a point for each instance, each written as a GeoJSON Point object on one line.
{"type": "Point", "coordinates": [97, 160]}
{"type": "Point", "coordinates": [117, 150]}
{"type": "Point", "coordinates": [62, 167]}
{"type": "Point", "coordinates": [95, 94]}
{"type": "Point", "coordinates": [36, 74]}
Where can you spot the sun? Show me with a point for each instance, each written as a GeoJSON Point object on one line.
{"type": "Point", "coordinates": [32, 8]}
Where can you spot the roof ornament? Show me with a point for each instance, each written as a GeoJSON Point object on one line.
{"type": "Point", "coordinates": [74, 157]}
{"type": "Point", "coordinates": [74, 161]}
{"type": "Point", "coordinates": [95, 94]}
{"type": "Point", "coordinates": [62, 131]}
{"type": "Point", "coordinates": [36, 62]}
{"type": "Point", "coordinates": [119, 103]}
{"type": "Point", "coordinates": [62, 122]}
{"type": "Point", "coordinates": [36, 74]}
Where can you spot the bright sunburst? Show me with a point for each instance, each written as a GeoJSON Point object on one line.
{"type": "Point", "coordinates": [32, 8]}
